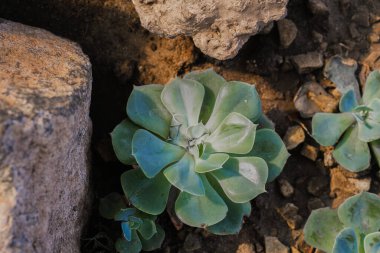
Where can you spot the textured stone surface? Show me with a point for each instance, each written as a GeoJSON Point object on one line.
{"type": "Point", "coordinates": [219, 27]}
{"type": "Point", "coordinates": [45, 91]}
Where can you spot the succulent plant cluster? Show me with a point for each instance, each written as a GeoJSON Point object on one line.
{"type": "Point", "coordinates": [356, 129]}
{"type": "Point", "coordinates": [352, 228]}
{"type": "Point", "coordinates": [199, 135]}
{"type": "Point", "coordinates": [140, 232]}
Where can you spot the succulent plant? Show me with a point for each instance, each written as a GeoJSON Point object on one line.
{"type": "Point", "coordinates": [199, 135]}
{"type": "Point", "coordinates": [140, 232]}
{"type": "Point", "coordinates": [352, 228]}
{"type": "Point", "coordinates": [356, 128]}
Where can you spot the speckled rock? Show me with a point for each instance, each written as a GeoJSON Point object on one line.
{"type": "Point", "coordinates": [45, 91]}
{"type": "Point", "coordinates": [218, 28]}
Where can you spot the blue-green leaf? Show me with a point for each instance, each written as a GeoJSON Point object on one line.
{"type": "Point", "coordinates": [183, 176]}
{"type": "Point", "coordinates": [375, 146]}
{"type": "Point", "coordinates": [242, 178]}
{"type": "Point", "coordinates": [361, 212]}
{"type": "Point", "coordinates": [346, 242]}
{"type": "Point", "coordinates": [212, 83]}
{"type": "Point", "coordinates": [132, 246]}
{"type": "Point", "coordinates": [372, 87]}
{"type": "Point", "coordinates": [269, 146]}
{"type": "Point", "coordinates": [352, 153]}
{"type": "Point", "coordinates": [155, 241]}
{"type": "Point", "coordinates": [145, 108]}
{"type": "Point", "coordinates": [236, 134]}
{"type": "Point", "coordinates": [235, 97]}
{"type": "Point", "coordinates": [124, 214]}
{"type": "Point", "coordinates": [321, 228]}
{"type": "Point", "coordinates": [328, 127]}
{"type": "Point", "coordinates": [111, 204]}
{"type": "Point", "coordinates": [121, 138]}
{"type": "Point", "coordinates": [372, 243]}
{"type": "Point", "coordinates": [127, 232]}
{"type": "Point", "coordinates": [348, 101]}
{"type": "Point", "coordinates": [201, 211]}
{"type": "Point", "coordinates": [210, 162]}
{"type": "Point", "coordinates": [183, 99]}
{"type": "Point", "coordinates": [147, 195]}
{"type": "Point", "coordinates": [147, 229]}
{"type": "Point", "coordinates": [152, 154]}
{"type": "Point", "coordinates": [369, 125]}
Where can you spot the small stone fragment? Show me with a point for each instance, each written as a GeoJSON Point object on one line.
{"type": "Point", "coordinates": [289, 213]}
{"type": "Point", "coordinates": [287, 31]}
{"type": "Point", "coordinates": [306, 63]}
{"type": "Point", "coordinates": [273, 245]}
{"type": "Point", "coordinates": [310, 152]}
{"type": "Point", "coordinates": [286, 188]}
{"type": "Point", "coordinates": [315, 203]}
{"type": "Point", "coordinates": [245, 248]}
{"type": "Point", "coordinates": [294, 136]}
{"type": "Point", "coordinates": [192, 242]}
{"type": "Point", "coordinates": [317, 185]}
{"type": "Point", "coordinates": [318, 7]}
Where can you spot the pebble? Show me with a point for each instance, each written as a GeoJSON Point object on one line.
{"type": "Point", "coordinates": [310, 152]}
{"type": "Point", "coordinates": [315, 203]}
{"type": "Point", "coordinates": [287, 31]}
{"type": "Point", "coordinates": [286, 188]}
{"type": "Point", "coordinates": [289, 213]}
{"type": "Point", "coordinates": [245, 248]}
{"type": "Point", "coordinates": [306, 63]}
{"type": "Point", "coordinates": [192, 242]}
{"type": "Point", "coordinates": [317, 185]}
{"type": "Point", "coordinates": [273, 245]}
{"type": "Point", "coordinates": [294, 136]}
{"type": "Point", "coordinates": [318, 7]}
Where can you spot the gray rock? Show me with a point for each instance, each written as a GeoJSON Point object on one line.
{"type": "Point", "coordinates": [318, 7]}
{"type": "Point", "coordinates": [273, 245]}
{"type": "Point", "coordinates": [305, 63]}
{"type": "Point", "coordinates": [45, 91]}
{"type": "Point", "coordinates": [287, 31]}
{"type": "Point", "coordinates": [218, 28]}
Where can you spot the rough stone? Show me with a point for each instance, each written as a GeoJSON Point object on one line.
{"type": "Point", "coordinates": [315, 203]}
{"type": "Point", "coordinates": [294, 136]}
{"type": "Point", "coordinates": [245, 248]}
{"type": "Point", "coordinates": [45, 91]}
{"type": "Point", "coordinates": [286, 188]}
{"type": "Point", "coordinates": [317, 185]}
{"type": "Point", "coordinates": [289, 213]}
{"type": "Point", "coordinates": [306, 63]}
{"type": "Point", "coordinates": [310, 152]}
{"type": "Point", "coordinates": [218, 28]}
{"type": "Point", "coordinates": [273, 245]}
{"type": "Point", "coordinates": [318, 7]}
{"type": "Point", "coordinates": [192, 242]}
{"type": "Point", "coordinates": [287, 31]}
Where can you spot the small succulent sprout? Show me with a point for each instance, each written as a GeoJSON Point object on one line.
{"type": "Point", "coordinates": [355, 130]}
{"type": "Point", "coordinates": [200, 135]}
{"type": "Point", "coordinates": [139, 230]}
{"type": "Point", "coordinates": [352, 228]}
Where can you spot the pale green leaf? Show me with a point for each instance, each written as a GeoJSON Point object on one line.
{"type": "Point", "coordinates": [133, 246]}
{"type": "Point", "coordinates": [369, 125]}
{"type": "Point", "coordinates": [372, 87]}
{"type": "Point", "coordinates": [328, 127]}
{"type": "Point", "coordinates": [269, 146]}
{"type": "Point", "coordinates": [375, 146]}
{"type": "Point", "coordinates": [121, 138]}
{"type": "Point", "coordinates": [183, 99]}
{"type": "Point", "coordinates": [242, 178]}
{"type": "Point", "coordinates": [155, 241]}
{"type": "Point", "coordinates": [210, 162]}
{"type": "Point", "coordinates": [111, 204]}
{"type": "Point", "coordinates": [348, 101]}
{"type": "Point", "coordinates": [152, 154]}
{"type": "Point", "coordinates": [236, 134]}
{"type": "Point", "coordinates": [201, 211]}
{"type": "Point", "coordinates": [321, 228]}
{"type": "Point", "coordinates": [212, 83]}
{"type": "Point", "coordinates": [235, 97]}
{"type": "Point", "coordinates": [183, 176]}
{"type": "Point", "coordinates": [346, 242]}
{"type": "Point", "coordinates": [372, 243]}
{"type": "Point", "coordinates": [352, 153]}
{"type": "Point", "coordinates": [147, 195]}
{"type": "Point", "coordinates": [145, 108]}
{"type": "Point", "coordinates": [361, 212]}
{"type": "Point", "coordinates": [147, 229]}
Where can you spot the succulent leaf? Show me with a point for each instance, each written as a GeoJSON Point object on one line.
{"type": "Point", "coordinates": [250, 172]}
{"type": "Point", "coordinates": [127, 231]}
{"type": "Point", "coordinates": [346, 242]}
{"type": "Point", "coordinates": [372, 243]}
{"type": "Point", "coordinates": [321, 228]}
{"type": "Point", "coordinates": [147, 229]}
{"type": "Point", "coordinates": [375, 146]}
{"type": "Point", "coordinates": [183, 176]}
{"type": "Point", "coordinates": [369, 124]}
{"type": "Point", "coordinates": [372, 87]}
{"type": "Point", "coordinates": [155, 241]}
{"type": "Point", "coordinates": [328, 127]}
{"type": "Point", "coordinates": [153, 154]}
{"type": "Point", "coordinates": [149, 195]}
{"type": "Point", "coordinates": [235, 97]}
{"type": "Point", "coordinates": [132, 246]}
{"type": "Point", "coordinates": [210, 162]}
{"type": "Point", "coordinates": [145, 108]}
{"type": "Point", "coordinates": [201, 211]}
{"type": "Point", "coordinates": [270, 147]}
{"type": "Point", "coordinates": [121, 138]}
{"type": "Point", "coordinates": [124, 214]}
{"type": "Point", "coordinates": [348, 101]}
{"type": "Point", "coordinates": [361, 212]}
{"type": "Point", "coordinates": [352, 153]}
{"type": "Point", "coordinates": [111, 204]}
{"type": "Point", "coordinates": [183, 98]}
{"type": "Point", "coordinates": [236, 134]}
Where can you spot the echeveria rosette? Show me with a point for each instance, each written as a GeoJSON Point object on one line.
{"type": "Point", "coordinates": [139, 230]}
{"type": "Point", "coordinates": [199, 135]}
{"type": "Point", "coordinates": [352, 228]}
{"type": "Point", "coordinates": [356, 129]}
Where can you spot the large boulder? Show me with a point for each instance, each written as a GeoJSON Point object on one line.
{"type": "Point", "coordinates": [45, 91]}
{"type": "Point", "coordinates": [219, 27]}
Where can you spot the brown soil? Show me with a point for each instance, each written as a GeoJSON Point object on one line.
{"type": "Point", "coordinates": [124, 54]}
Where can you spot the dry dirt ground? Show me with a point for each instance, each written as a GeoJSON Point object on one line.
{"type": "Point", "coordinates": [124, 54]}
